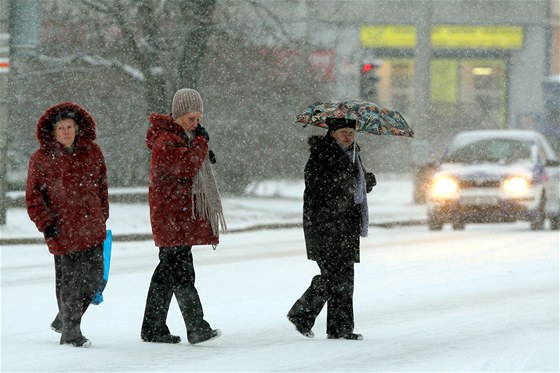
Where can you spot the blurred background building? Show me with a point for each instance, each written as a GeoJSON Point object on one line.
{"type": "Point", "coordinates": [486, 64]}
{"type": "Point", "coordinates": [447, 65]}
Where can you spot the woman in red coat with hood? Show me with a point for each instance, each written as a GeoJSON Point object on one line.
{"type": "Point", "coordinates": [185, 210]}
{"type": "Point", "coordinates": [66, 198]}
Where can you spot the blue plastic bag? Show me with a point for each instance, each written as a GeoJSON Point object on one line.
{"type": "Point", "coordinates": [98, 298]}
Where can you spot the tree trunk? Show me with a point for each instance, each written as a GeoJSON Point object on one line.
{"type": "Point", "coordinates": [195, 41]}
{"type": "Point", "coordinates": [154, 92]}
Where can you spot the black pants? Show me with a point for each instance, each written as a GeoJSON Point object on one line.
{"type": "Point", "coordinates": [174, 275]}
{"type": "Point", "coordinates": [77, 276]}
{"type": "Point", "coordinates": [334, 286]}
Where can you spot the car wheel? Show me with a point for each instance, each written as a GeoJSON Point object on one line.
{"type": "Point", "coordinates": [537, 222]}
{"type": "Point", "coordinates": [458, 225]}
{"type": "Point", "coordinates": [555, 223]}
{"type": "Point", "coordinates": [435, 224]}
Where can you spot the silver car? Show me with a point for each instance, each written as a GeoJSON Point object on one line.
{"type": "Point", "coordinates": [493, 176]}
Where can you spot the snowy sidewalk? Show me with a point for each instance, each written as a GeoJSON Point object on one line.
{"type": "Point", "coordinates": [272, 204]}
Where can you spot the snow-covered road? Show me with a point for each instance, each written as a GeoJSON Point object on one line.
{"type": "Point", "coordinates": [483, 299]}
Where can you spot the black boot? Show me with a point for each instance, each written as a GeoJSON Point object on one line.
{"type": "Point", "coordinates": [164, 338]}
{"type": "Point", "coordinates": [56, 325]}
{"type": "Point", "coordinates": [200, 337]}
{"type": "Point", "coordinates": [77, 342]}
{"type": "Point", "coordinates": [301, 329]}
{"type": "Point", "coordinates": [349, 336]}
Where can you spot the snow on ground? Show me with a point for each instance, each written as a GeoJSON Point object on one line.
{"type": "Point", "coordinates": [483, 299]}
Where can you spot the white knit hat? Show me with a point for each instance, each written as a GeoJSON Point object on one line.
{"type": "Point", "coordinates": [185, 101]}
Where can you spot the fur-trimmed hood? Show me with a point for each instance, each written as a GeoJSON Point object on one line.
{"type": "Point", "coordinates": [44, 128]}
{"type": "Point", "coordinates": [161, 123]}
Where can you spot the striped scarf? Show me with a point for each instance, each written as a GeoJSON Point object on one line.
{"type": "Point", "coordinates": [206, 197]}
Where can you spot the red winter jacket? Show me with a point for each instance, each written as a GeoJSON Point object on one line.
{"type": "Point", "coordinates": [68, 189]}
{"type": "Point", "coordinates": [174, 164]}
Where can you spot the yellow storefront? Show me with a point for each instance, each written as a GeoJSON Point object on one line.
{"type": "Point", "coordinates": [468, 69]}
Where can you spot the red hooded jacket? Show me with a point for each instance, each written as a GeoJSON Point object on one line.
{"type": "Point", "coordinates": [68, 189]}
{"type": "Point", "coordinates": [175, 162]}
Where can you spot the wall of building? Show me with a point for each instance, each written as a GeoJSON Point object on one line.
{"type": "Point", "coordinates": [335, 24]}
{"type": "Point", "coordinates": [520, 69]}
{"type": "Point", "coordinates": [527, 70]}
{"type": "Point", "coordinates": [555, 37]}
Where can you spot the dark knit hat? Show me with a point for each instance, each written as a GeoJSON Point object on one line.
{"type": "Point", "coordinates": [65, 115]}
{"type": "Point", "coordinates": [185, 101]}
{"type": "Point", "coordinates": [338, 123]}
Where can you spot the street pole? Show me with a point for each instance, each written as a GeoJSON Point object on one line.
{"type": "Point", "coordinates": [20, 29]}
{"type": "Point", "coordinates": [422, 60]}
{"type": "Point", "coordinates": [4, 105]}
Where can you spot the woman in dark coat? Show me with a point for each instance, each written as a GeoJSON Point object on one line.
{"type": "Point", "coordinates": [66, 197]}
{"type": "Point", "coordinates": [335, 214]}
{"type": "Point", "coordinates": [185, 210]}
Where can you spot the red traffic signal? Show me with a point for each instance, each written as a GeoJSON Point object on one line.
{"type": "Point", "coordinates": [367, 67]}
{"type": "Point", "coordinates": [370, 67]}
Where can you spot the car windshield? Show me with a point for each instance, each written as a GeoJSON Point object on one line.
{"type": "Point", "coordinates": [491, 151]}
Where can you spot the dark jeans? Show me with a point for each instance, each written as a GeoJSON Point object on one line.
{"type": "Point", "coordinates": [334, 286]}
{"type": "Point", "coordinates": [77, 276]}
{"type": "Point", "coordinates": [174, 275]}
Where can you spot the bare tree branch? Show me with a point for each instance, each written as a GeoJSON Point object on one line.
{"type": "Point", "coordinates": [258, 6]}
{"type": "Point", "coordinates": [95, 61]}
{"type": "Point", "coordinates": [99, 6]}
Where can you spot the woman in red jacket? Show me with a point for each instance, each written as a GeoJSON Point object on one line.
{"type": "Point", "coordinates": [66, 198]}
{"type": "Point", "coordinates": [185, 210]}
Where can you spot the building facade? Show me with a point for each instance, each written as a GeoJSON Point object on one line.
{"type": "Point", "coordinates": [448, 65]}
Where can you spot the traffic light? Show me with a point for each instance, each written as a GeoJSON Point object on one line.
{"type": "Point", "coordinates": [368, 80]}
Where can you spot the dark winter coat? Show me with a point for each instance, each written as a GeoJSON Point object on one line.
{"type": "Point", "coordinates": [331, 219]}
{"type": "Point", "coordinates": [175, 162]}
{"type": "Point", "coordinates": [68, 190]}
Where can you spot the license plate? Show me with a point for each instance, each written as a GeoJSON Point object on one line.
{"type": "Point", "coordinates": [479, 200]}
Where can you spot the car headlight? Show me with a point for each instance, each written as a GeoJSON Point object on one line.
{"type": "Point", "coordinates": [444, 187]}
{"type": "Point", "coordinates": [516, 184]}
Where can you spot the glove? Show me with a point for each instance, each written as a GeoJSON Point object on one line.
{"type": "Point", "coordinates": [211, 156]}
{"type": "Point", "coordinates": [51, 231]}
{"type": "Point", "coordinates": [370, 181]}
{"type": "Point", "coordinates": [201, 131]}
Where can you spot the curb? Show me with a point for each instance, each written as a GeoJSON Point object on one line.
{"type": "Point", "coordinates": [148, 236]}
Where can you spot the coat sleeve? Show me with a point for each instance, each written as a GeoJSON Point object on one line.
{"type": "Point", "coordinates": [316, 181]}
{"type": "Point", "coordinates": [330, 185]}
{"type": "Point", "coordinates": [174, 158]}
{"type": "Point", "coordinates": [103, 184]}
{"type": "Point", "coordinates": [324, 178]}
{"type": "Point", "coordinates": [36, 195]}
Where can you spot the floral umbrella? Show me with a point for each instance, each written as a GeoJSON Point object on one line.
{"type": "Point", "coordinates": [370, 117]}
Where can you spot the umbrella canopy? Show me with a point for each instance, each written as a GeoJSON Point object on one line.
{"type": "Point", "coordinates": [370, 117]}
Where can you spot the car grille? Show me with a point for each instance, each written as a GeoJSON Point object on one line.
{"type": "Point", "coordinates": [466, 184]}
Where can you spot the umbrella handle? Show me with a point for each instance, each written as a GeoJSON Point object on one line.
{"type": "Point", "coordinates": [354, 152]}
